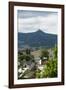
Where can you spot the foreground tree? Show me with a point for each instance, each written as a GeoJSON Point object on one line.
{"type": "Point", "coordinates": [50, 69]}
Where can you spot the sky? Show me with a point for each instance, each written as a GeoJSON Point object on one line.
{"type": "Point", "coordinates": [31, 21]}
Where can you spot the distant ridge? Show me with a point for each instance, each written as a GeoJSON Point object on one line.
{"type": "Point", "coordinates": [37, 39]}
{"type": "Point", "coordinates": [39, 30]}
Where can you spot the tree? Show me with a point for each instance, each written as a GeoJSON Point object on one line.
{"type": "Point", "coordinates": [20, 53]}
{"type": "Point", "coordinates": [27, 51]}
{"type": "Point", "coordinates": [50, 69]}
{"type": "Point", "coordinates": [38, 75]}
{"type": "Point", "coordinates": [55, 50]}
{"type": "Point", "coordinates": [44, 53]}
{"type": "Point", "coordinates": [24, 58]}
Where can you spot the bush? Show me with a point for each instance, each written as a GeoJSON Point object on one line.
{"type": "Point", "coordinates": [50, 70]}
{"type": "Point", "coordinates": [38, 73]}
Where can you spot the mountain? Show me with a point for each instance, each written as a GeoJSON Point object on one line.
{"type": "Point", "coordinates": [37, 39]}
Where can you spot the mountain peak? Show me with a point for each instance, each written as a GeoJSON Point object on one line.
{"type": "Point", "coordinates": [40, 31]}
{"type": "Point", "coordinates": [38, 38]}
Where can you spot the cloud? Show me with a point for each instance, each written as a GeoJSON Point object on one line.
{"type": "Point", "coordinates": [47, 23]}
{"type": "Point", "coordinates": [32, 13]}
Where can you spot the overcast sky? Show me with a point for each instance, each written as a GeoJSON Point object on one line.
{"type": "Point", "coordinates": [31, 21]}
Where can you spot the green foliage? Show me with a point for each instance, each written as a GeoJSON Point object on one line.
{"type": "Point", "coordinates": [44, 53]}
{"type": "Point", "coordinates": [20, 53]}
{"type": "Point", "coordinates": [27, 51]}
{"type": "Point", "coordinates": [25, 56]}
{"type": "Point", "coordinates": [55, 52]}
{"type": "Point", "coordinates": [38, 73]}
{"type": "Point", "coordinates": [28, 57]}
{"type": "Point", "coordinates": [50, 69]}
